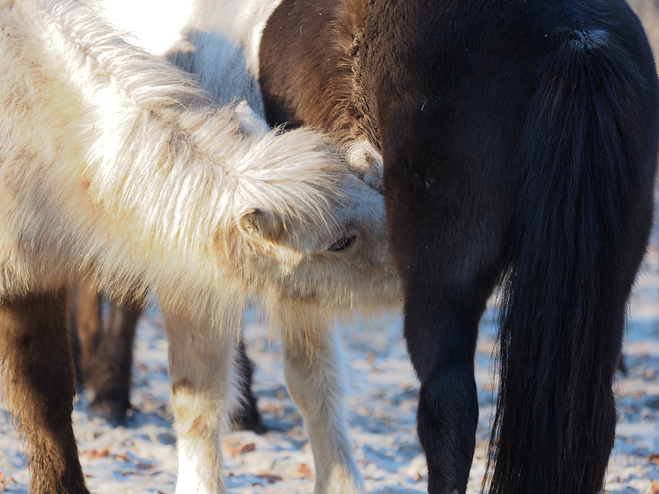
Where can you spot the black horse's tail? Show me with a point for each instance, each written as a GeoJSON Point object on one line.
{"type": "Point", "coordinates": [582, 217]}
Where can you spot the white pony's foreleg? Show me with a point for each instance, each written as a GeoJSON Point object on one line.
{"type": "Point", "coordinates": [313, 368]}
{"type": "Point", "coordinates": [203, 392]}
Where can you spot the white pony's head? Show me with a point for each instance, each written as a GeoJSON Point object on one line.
{"type": "Point", "coordinates": [309, 230]}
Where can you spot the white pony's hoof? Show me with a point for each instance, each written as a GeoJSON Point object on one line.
{"type": "Point", "coordinates": [341, 481]}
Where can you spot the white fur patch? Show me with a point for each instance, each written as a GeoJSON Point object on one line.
{"type": "Point", "coordinates": [250, 121]}
{"type": "Point", "coordinates": [367, 162]}
{"type": "Point", "coordinates": [151, 24]}
{"type": "Point", "coordinates": [224, 36]}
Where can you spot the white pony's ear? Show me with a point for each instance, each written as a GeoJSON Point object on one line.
{"type": "Point", "coordinates": [257, 222]}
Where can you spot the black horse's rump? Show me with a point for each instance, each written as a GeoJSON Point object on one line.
{"type": "Point", "coordinates": [519, 141]}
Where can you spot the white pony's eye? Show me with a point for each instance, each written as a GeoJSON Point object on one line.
{"type": "Point", "coordinates": [342, 244]}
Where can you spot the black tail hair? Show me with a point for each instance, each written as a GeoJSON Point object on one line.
{"type": "Point", "coordinates": [586, 158]}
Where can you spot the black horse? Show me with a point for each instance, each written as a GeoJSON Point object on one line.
{"type": "Point", "coordinates": [519, 142]}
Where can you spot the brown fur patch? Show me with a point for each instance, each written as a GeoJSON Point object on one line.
{"type": "Point", "coordinates": [332, 94]}
{"type": "Point", "coordinates": [183, 387]}
{"type": "Point", "coordinates": [35, 358]}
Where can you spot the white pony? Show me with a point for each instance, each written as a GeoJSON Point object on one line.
{"type": "Point", "coordinates": [116, 166]}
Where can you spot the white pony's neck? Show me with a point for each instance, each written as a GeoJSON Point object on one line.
{"type": "Point", "coordinates": [130, 92]}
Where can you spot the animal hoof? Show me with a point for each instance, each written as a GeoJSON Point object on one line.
{"type": "Point", "coordinates": [248, 418]}
{"type": "Point", "coordinates": [254, 425]}
{"type": "Point", "coordinates": [113, 411]}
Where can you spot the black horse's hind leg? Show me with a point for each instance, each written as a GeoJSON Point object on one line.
{"type": "Point", "coordinates": [441, 327]}
{"type": "Point", "coordinates": [36, 360]}
{"type": "Point", "coordinates": [448, 278]}
{"type": "Point", "coordinates": [448, 220]}
{"type": "Point", "coordinates": [448, 407]}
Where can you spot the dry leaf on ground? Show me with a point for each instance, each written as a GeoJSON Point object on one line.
{"type": "Point", "coordinates": [238, 449]}
{"type": "Point", "coordinates": [303, 471]}
{"type": "Point", "coordinates": [271, 478]}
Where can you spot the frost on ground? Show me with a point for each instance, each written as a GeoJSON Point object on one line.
{"type": "Point", "coordinates": [382, 400]}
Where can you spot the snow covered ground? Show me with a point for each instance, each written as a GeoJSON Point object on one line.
{"type": "Point", "coordinates": [382, 400]}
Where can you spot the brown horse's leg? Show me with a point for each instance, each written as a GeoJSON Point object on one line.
{"type": "Point", "coordinates": [35, 355]}
{"type": "Point", "coordinates": [111, 376]}
{"type": "Point", "coordinates": [88, 325]}
{"type": "Point", "coordinates": [106, 353]}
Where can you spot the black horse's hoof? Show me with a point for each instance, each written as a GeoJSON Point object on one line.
{"type": "Point", "coordinates": [247, 416]}
{"type": "Point", "coordinates": [111, 409]}
{"type": "Point", "coordinates": [252, 425]}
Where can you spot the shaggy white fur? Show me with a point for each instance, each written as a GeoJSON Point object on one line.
{"type": "Point", "coordinates": [219, 41]}
{"type": "Point", "coordinates": [128, 172]}
{"type": "Point", "coordinates": [116, 166]}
